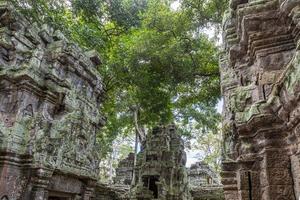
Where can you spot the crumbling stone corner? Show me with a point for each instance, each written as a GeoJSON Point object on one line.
{"type": "Point", "coordinates": [260, 85]}
{"type": "Point", "coordinates": [50, 94]}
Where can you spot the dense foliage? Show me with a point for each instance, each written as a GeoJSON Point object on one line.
{"type": "Point", "coordinates": [158, 66]}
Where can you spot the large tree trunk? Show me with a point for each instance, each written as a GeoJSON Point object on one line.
{"type": "Point", "coordinates": [139, 138]}
{"type": "Point", "coordinates": [110, 172]}
{"type": "Point", "coordinates": [140, 130]}
{"type": "Point", "coordinates": [135, 157]}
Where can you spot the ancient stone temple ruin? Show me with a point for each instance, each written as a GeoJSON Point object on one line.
{"type": "Point", "coordinates": [260, 71]}
{"type": "Point", "coordinates": [204, 183]}
{"type": "Point", "coordinates": [50, 93]}
{"type": "Point", "coordinates": [200, 174]}
{"type": "Point", "coordinates": [124, 171]}
{"type": "Point", "coordinates": [160, 172]}
{"type": "Point", "coordinates": [111, 192]}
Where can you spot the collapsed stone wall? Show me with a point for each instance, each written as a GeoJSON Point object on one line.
{"type": "Point", "coordinates": [50, 94]}
{"type": "Point", "coordinates": [260, 85]}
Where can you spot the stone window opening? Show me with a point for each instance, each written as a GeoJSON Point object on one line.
{"type": "Point", "coordinates": [150, 183]}
{"type": "Point", "coordinates": [60, 196]}
{"type": "Point", "coordinates": [250, 185]}
{"type": "Point", "coordinates": [209, 180]}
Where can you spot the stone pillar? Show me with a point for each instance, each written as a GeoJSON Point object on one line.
{"type": "Point", "coordinates": [39, 193]}
{"type": "Point", "coordinates": [275, 176]}
{"type": "Point", "coordinates": [40, 183]}
{"type": "Point", "coordinates": [248, 181]}
{"type": "Point", "coordinates": [229, 180]}
{"type": "Point", "coordinates": [14, 179]}
{"type": "Point", "coordinates": [89, 190]}
{"type": "Point", "coordinates": [295, 168]}
{"type": "Point", "coordinates": [244, 187]}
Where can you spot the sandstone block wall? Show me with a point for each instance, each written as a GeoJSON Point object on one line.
{"type": "Point", "coordinates": [50, 94]}
{"type": "Point", "coordinates": [160, 170]}
{"type": "Point", "coordinates": [204, 184]}
{"type": "Point", "coordinates": [260, 85]}
{"type": "Point", "coordinates": [124, 171]}
{"type": "Point", "coordinates": [112, 192]}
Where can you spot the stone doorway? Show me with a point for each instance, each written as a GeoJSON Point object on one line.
{"type": "Point", "coordinates": [59, 196]}
{"type": "Point", "coordinates": [150, 183]}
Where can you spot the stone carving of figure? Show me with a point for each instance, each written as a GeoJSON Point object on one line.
{"type": "Point", "coordinates": [28, 111]}
{"type": "Point", "coordinates": [229, 145]}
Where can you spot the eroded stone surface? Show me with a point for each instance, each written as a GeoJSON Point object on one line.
{"type": "Point", "coordinates": [200, 174]}
{"type": "Point", "coordinates": [160, 170]}
{"type": "Point", "coordinates": [112, 192]}
{"type": "Point", "coordinates": [204, 183]}
{"type": "Point", "coordinates": [50, 94]}
{"type": "Point", "coordinates": [260, 85]}
{"type": "Point", "coordinates": [124, 171]}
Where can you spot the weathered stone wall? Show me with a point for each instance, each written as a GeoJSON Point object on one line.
{"type": "Point", "coordinates": [124, 171]}
{"type": "Point", "coordinates": [260, 84]}
{"type": "Point", "coordinates": [204, 183]}
{"type": "Point", "coordinates": [200, 174]}
{"type": "Point", "coordinates": [112, 192]}
{"type": "Point", "coordinates": [50, 94]}
{"type": "Point", "coordinates": [207, 193]}
{"type": "Point", "coordinates": [160, 170]}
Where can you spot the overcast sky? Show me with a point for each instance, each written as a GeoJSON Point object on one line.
{"type": "Point", "coordinates": [175, 5]}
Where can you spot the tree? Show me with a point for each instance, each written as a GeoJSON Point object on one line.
{"type": "Point", "coordinates": [210, 146]}
{"type": "Point", "coordinates": [165, 67]}
{"type": "Point", "coordinates": [157, 67]}
{"type": "Point", "coordinates": [206, 12]}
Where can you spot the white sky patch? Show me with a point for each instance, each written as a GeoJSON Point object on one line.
{"type": "Point", "coordinates": [192, 157]}
{"type": "Point", "coordinates": [175, 5]}
{"type": "Point", "coordinates": [212, 34]}
{"type": "Point", "coordinates": [68, 2]}
{"type": "Point", "coordinates": [220, 106]}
